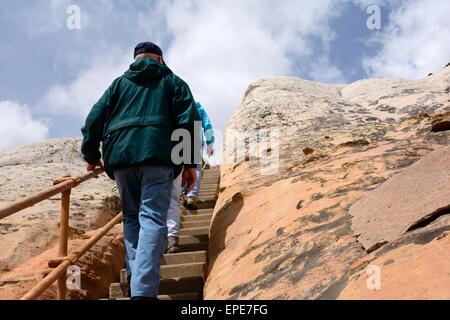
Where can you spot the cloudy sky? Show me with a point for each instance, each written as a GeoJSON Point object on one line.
{"type": "Point", "coordinates": [52, 74]}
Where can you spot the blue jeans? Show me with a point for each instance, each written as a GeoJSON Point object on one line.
{"type": "Point", "coordinates": [196, 190]}
{"type": "Point", "coordinates": [145, 195]}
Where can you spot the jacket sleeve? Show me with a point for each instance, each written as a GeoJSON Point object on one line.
{"type": "Point", "coordinates": [185, 116]}
{"type": "Point", "coordinates": [93, 128]}
{"type": "Point", "coordinates": [206, 124]}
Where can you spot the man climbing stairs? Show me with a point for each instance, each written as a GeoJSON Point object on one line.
{"type": "Point", "coordinates": [183, 274]}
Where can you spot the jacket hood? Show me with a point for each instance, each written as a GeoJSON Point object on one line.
{"type": "Point", "coordinates": [146, 69]}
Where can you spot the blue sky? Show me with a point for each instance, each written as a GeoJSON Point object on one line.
{"type": "Point", "coordinates": [51, 75]}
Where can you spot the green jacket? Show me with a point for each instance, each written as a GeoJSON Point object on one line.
{"type": "Point", "coordinates": [136, 116]}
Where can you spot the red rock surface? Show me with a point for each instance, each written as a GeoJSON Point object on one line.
{"type": "Point", "coordinates": [417, 194]}
{"type": "Point", "coordinates": [99, 267]}
{"type": "Point", "coordinates": [288, 235]}
{"type": "Point", "coordinates": [415, 266]}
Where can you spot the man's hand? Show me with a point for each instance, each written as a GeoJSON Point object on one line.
{"type": "Point", "coordinates": [188, 179]}
{"type": "Point", "coordinates": [91, 167]}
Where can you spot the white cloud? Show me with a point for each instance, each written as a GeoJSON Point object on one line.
{"type": "Point", "coordinates": [415, 43]}
{"type": "Point", "coordinates": [17, 125]}
{"type": "Point", "coordinates": [220, 47]}
{"type": "Point", "coordinates": [324, 71]}
{"type": "Point", "coordinates": [78, 97]}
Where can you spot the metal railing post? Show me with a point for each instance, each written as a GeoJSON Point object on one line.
{"type": "Point", "coordinates": [63, 240]}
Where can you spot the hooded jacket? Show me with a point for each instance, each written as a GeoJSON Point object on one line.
{"type": "Point", "coordinates": [208, 130]}
{"type": "Point", "coordinates": [136, 116]}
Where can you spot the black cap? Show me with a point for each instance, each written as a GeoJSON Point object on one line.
{"type": "Point", "coordinates": [147, 47]}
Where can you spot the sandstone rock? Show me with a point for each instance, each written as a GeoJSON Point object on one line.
{"type": "Point", "coordinates": [99, 267]}
{"type": "Point", "coordinates": [287, 235]}
{"type": "Point", "coordinates": [32, 168]}
{"type": "Point", "coordinates": [416, 195]}
{"type": "Point", "coordinates": [414, 266]}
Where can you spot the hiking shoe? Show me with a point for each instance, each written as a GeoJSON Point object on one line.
{"type": "Point", "coordinates": [192, 203]}
{"type": "Point", "coordinates": [172, 245]}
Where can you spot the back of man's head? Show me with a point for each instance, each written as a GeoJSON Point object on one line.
{"type": "Point", "coordinates": [148, 50]}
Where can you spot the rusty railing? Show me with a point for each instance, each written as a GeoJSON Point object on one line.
{"type": "Point", "coordinates": [64, 260]}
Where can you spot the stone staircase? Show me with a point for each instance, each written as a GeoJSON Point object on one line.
{"type": "Point", "coordinates": [183, 274]}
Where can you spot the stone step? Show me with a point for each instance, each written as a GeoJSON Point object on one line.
{"type": "Point", "coordinates": [181, 285]}
{"type": "Point", "coordinates": [198, 217]}
{"type": "Point", "coordinates": [183, 257]}
{"type": "Point", "coordinates": [206, 203]}
{"type": "Point", "coordinates": [166, 286]}
{"type": "Point", "coordinates": [208, 195]}
{"type": "Point", "coordinates": [211, 184]}
{"type": "Point", "coordinates": [194, 231]}
{"type": "Point", "coordinates": [194, 269]}
{"type": "Point", "coordinates": [190, 212]}
{"type": "Point", "coordinates": [196, 224]}
{"type": "Point", "coordinates": [177, 296]}
{"type": "Point", "coordinates": [208, 177]}
{"type": "Point", "coordinates": [209, 191]}
{"type": "Point", "coordinates": [193, 243]}
{"type": "Point", "coordinates": [182, 296]}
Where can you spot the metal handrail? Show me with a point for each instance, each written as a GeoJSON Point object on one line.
{"type": "Point", "coordinates": [59, 274]}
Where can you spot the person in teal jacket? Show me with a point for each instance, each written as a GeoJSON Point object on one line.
{"type": "Point", "coordinates": [134, 120]}
{"type": "Point", "coordinates": [173, 214]}
{"type": "Point", "coordinates": [207, 137]}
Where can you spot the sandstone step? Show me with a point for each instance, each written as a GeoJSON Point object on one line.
{"type": "Point", "coordinates": [176, 296]}
{"type": "Point", "coordinates": [209, 191]}
{"type": "Point", "coordinates": [183, 257]}
{"type": "Point", "coordinates": [208, 194]}
{"type": "Point", "coordinates": [194, 231]}
{"type": "Point", "coordinates": [181, 285]}
{"type": "Point", "coordinates": [198, 217]}
{"type": "Point", "coordinates": [195, 224]}
{"type": "Point", "coordinates": [193, 269]}
{"type": "Point", "coordinates": [207, 203]}
{"type": "Point", "coordinates": [190, 212]}
{"type": "Point", "coordinates": [182, 296]}
{"type": "Point", "coordinates": [166, 286]}
{"type": "Point", "coordinates": [211, 177]}
{"type": "Point", "coordinates": [209, 184]}
{"type": "Point", "coordinates": [206, 200]}
{"type": "Point", "coordinates": [193, 243]}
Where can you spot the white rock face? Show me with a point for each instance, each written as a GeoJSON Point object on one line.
{"type": "Point", "coordinates": [32, 168]}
